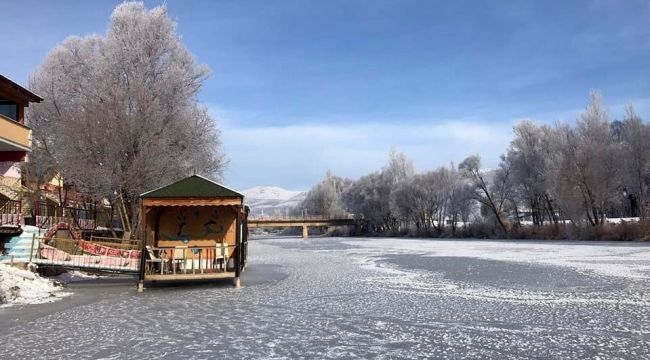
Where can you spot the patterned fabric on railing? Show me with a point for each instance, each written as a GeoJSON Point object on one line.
{"type": "Point", "coordinates": [95, 249]}
{"type": "Point", "coordinates": [48, 252]}
{"type": "Point", "coordinates": [48, 255]}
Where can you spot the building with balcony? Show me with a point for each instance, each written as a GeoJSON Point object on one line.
{"type": "Point", "coordinates": [15, 144]}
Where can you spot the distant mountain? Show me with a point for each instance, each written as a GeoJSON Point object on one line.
{"type": "Point", "coordinates": [270, 193]}
{"type": "Point", "coordinates": [272, 200]}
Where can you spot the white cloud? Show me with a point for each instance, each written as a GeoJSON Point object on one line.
{"type": "Point", "coordinates": [297, 156]}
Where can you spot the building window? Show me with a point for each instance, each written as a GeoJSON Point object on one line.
{"type": "Point", "coordinates": [9, 109]}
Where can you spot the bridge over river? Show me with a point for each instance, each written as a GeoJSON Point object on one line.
{"type": "Point", "coordinates": [304, 222]}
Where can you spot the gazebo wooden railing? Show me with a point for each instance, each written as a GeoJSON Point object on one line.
{"type": "Point", "coordinates": [189, 260]}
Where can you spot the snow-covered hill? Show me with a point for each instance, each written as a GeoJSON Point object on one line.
{"type": "Point", "coordinates": [270, 193]}
{"type": "Point", "coordinates": [272, 200]}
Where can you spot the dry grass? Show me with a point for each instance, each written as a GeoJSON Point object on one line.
{"type": "Point", "coordinates": [625, 231]}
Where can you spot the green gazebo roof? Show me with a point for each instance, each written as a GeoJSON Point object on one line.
{"type": "Point", "coordinates": [194, 186]}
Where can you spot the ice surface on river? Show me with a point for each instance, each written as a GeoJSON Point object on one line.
{"type": "Point", "coordinates": [368, 298]}
{"type": "Point", "coordinates": [618, 259]}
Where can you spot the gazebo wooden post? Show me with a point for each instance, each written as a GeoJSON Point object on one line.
{"type": "Point", "coordinates": [244, 227]}
{"type": "Point", "coordinates": [143, 252]}
{"type": "Point", "coordinates": [156, 229]}
{"type": "Point", "coordinates": [237, 281]}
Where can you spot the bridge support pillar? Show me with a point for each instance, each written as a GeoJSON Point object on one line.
{"type": "Point", "coordinates": [305, 233]}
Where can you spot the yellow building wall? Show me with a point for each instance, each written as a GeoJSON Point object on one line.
{"type": "Point", "coordinates": [15, 133]}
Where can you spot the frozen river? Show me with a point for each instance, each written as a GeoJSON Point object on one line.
{"type": "Point", "coordinates": [364, 298]}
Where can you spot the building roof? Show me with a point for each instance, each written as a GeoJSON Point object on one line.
{"type": "Point", "coordinates": [195, 186]}
{"type": "Point", "coordinates": [18, 90]}
{"type": "Point", "coordinates": [10, 192]}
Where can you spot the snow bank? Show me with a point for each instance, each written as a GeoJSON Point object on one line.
{"type": "Point", "coordinates": [25, 287]}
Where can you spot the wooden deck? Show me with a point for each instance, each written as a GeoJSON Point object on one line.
{"type": "Point", "coordinates": [196, 276]}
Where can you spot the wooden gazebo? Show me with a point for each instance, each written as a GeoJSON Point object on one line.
{"type": "Point", "coordinates": [193, 229]}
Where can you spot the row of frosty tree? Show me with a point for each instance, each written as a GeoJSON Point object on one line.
{"type": "Point", "coordinates": [578, 174]}
{"type": "Point", "coordinates": [120, 113]}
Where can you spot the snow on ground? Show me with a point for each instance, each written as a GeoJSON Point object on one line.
{"type": "Point", "coordinates": [19, 286]}
{"type": "Point", "coordinates": [332, 298]}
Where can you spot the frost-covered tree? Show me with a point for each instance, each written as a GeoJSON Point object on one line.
{"type": "Point", "coordinates": [423, 199]}
{"type": "Point", "coordinates": [582, 172]}
{"type": "Point", "coordinates": [324, 198]}
{"type": "Point", "coordinates": [586, 165]}
{"type": "Point", "coordinates": [399, 167]}
{"type": "Point", "coordinates": [369, 197]}
{"type": "Point", "coordinates": [503, 189]}
{"type": "Point", "coordinates": [120, 114]}
{"type": "Point", "coordinates": [636, 155]}
{"type": "Point", "coordinates": [528, 155]}
{"type": "Point", "coordinates": [492, 197]}
{"type": "Point", "coordinates": [462, 203]}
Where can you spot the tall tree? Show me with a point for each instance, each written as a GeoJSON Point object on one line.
{"type": "Point", "coordinates": [586, 164]}
{"type": "Point", "coordinates": [121, 114]}
{"type": "Point", "coordinates": [636, 150]}
{"type": "Point", "coordinates": [369, 200]}
{"type": "Point", "coordinates": [483, 192]}
{"type": "Point", "coordinates": [369, 197]}
{"type": "Point", "coordinates": [324, 198]}
{"type": "Point", "coordinates": [399, 167]}
{"type": "Point", "coordinates": [528, 156]}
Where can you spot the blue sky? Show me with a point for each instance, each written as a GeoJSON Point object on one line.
{"type": "Point", "coordinates": [300, 87]}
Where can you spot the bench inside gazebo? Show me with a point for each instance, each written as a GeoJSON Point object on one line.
{"type": "Point", "coordinates": [193, 229]}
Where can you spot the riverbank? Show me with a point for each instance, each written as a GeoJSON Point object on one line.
{"type": "Point", "coordinates": [611, 231]}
